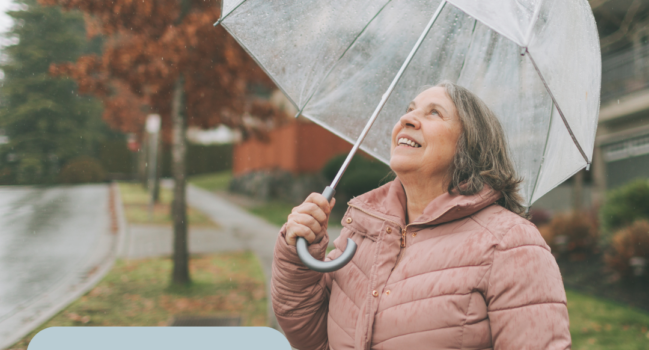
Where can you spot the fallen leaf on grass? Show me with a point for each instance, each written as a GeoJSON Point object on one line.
{"type": "Point", "coordinates": [78, 318]}
{"type": "Point", "coordinates": [258, 293]}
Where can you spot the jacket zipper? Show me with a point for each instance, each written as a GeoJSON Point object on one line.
{"type": "Point", "coordinates": [403, 242]}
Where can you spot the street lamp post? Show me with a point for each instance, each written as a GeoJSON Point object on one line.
{"type": "Point", "coordinates": [153, 128]}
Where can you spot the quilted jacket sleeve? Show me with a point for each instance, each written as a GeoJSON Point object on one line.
{"type": "Point", "coordinates": [525, 295]}
{"type": "Point", "coordinates": [300, 296]}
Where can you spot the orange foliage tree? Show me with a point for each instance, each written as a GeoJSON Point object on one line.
{"type": "Point", "coordinates": [173, 60]}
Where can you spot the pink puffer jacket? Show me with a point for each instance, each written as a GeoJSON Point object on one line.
{"type": "Point", "coordinates": [467, 274]}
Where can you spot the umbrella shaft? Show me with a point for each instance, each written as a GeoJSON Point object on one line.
{"type": "Point", "coordinates": [387, 94]}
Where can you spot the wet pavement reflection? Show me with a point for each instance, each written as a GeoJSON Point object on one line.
{"type": "Point", "coordinates": [46, 234]}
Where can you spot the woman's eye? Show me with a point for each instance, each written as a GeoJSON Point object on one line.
{"type": "Point", "coordinates": [434, 112]}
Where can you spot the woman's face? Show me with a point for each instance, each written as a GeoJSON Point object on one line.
{"type": "Point", "coordinates": [424, 140]}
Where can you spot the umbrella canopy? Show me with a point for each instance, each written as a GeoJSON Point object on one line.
{"type": "Point", "coordinates": [536, 63]}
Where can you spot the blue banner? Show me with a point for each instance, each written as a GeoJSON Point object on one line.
{"type": "Point", "coordinates": [159, 338]}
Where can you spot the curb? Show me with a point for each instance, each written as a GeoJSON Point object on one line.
{"type": "Point", "coordinates": [82, 281]}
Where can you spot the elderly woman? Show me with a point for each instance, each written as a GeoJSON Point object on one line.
{"type": "Point", "coordinates": [445, 259]}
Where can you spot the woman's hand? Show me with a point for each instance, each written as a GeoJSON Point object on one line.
{"type": "Point", "coordinates": [309, 219]}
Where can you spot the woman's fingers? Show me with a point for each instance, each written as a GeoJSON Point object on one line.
{"type": "Point", "coordinates": [321, 202]}
{"type": "Point", "coordinates": [309, 219]}
{"type": "Point", "coordinates": [295, 230]}
{"type": "Point", "coordinates": [313, 210]}
{"type": "Point", "coordinates": [306, 220]}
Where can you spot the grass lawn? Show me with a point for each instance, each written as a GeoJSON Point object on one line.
{"type": "Point", "coordinates": [136, 207]}
{"type": "Point", "coordinates": [137, 293]}
{"type": "Point", "coordinates": [273, 211]}
{"type": "Point", "coordinates": [598, 324]}
{"type": "Point", "coordinates": [213, 182]}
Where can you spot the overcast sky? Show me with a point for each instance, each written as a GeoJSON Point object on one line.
{"type": "Point", "coordinates": [5, 21]}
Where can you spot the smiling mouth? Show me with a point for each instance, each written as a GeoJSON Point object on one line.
{"type": "Point", "coordinates": [406, 142]}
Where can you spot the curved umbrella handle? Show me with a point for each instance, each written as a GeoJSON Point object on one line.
{"type": "Point", "coordinates": [325, 266]}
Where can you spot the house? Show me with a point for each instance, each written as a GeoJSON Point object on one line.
{"type": "Point", "coordinates": [622, 143]}
{"type": "Point", "coordinates": [297, 146]}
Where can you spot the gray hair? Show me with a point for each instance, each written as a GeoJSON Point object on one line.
{"type": "Point", "coordinates": [482, 155]}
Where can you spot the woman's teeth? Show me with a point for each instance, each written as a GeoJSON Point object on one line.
{"type": "Point", "coordinates": [405, 141]}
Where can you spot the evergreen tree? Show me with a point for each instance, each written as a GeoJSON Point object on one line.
{"type": "Point", "coordinates": [45, 119]}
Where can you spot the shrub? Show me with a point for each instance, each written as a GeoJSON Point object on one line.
{"type": "Point", "coordinates": [624, 206]}
{"type": "Point", "coordinates": [82, 170]}
{"type": "Point", "coordinates": [540, 217]}
{"type": "Point", "coordinates": [30, 171]}
{"type": "Point", "coordinates": [630, 250]}
{"type": "Point", "coordinates": [362, 174]}
{"type": "Point", "coordinates": [571, 234]}
{"type": "Point", "coordinates": [277, 184]}
{"type": "Point", "coordinates": [6, 176]}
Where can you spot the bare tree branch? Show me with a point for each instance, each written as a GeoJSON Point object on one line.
{"type": "Point", "coordinates": [597, 3]}
{"type": "Point", "coordinates": [624, 27]}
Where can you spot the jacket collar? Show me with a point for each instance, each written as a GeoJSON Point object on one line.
{"type": "Point", "coordinates": [389, 202]}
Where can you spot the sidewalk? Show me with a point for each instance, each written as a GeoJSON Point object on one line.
{"type": "Point", "coordinates": [237, 230]}
{"type": "Point", "coordinates": [148, 241]}
{"type": "Point", "coordinates": [254, 233]}
{"type": "Point", "coordinates": [250, 231]}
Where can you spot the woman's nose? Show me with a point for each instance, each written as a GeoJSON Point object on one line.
{"type": "Point", "coordinates": [410, 120]}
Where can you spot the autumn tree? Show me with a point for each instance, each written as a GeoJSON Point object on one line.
{"type": "Point", "coordinates": [168, 53]}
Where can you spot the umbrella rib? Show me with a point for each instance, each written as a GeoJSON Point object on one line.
{"type": "Point", "coordinates": [475, 24]}
{"type": "Point", "coordinates": [554, 100]}
{"type": "Point", "coordinates": [545, 148]}
{"type": "Point", "coordinates": [227, 14]}
{"type": "Point", "coordinates": [341, 57]}
{"type": "Point", "coordinates": [535, 15]}
{"type": "Point", "coordinates": [387, 94]}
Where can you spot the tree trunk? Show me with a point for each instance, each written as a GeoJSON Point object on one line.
{"type": "Point", "coordinates": [180, 273]}
{"type": "Point", "coordinates": [158, 163]}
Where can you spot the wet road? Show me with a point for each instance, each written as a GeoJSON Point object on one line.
{"type": "Point", "coordinates": [46, 234]}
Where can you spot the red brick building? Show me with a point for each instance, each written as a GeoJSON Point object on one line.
{"type": "Point", "coordinates": [297, 147]}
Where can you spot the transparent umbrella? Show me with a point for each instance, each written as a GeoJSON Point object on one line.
{"type": "Point", "coordinates": [346, 64]}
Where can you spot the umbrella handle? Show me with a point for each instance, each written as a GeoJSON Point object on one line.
{"type": "Point", "coordinates": [325, 266]}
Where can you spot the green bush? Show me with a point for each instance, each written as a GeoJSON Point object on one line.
{"type": "Point", "coordinates": [115, 157]}
{"type": "Point", "coordinates": [82, 170]}
{"type": "Point", "coordinates": [6, 176]}
{"type": "Point", "coordinates": [201, 159]}
{"type": "Point", "coordinates": [625, 205]}
{"type": "Point", "coordinates": [362, 174]}
{"type": "Point", "coordinates": [30, 171]}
